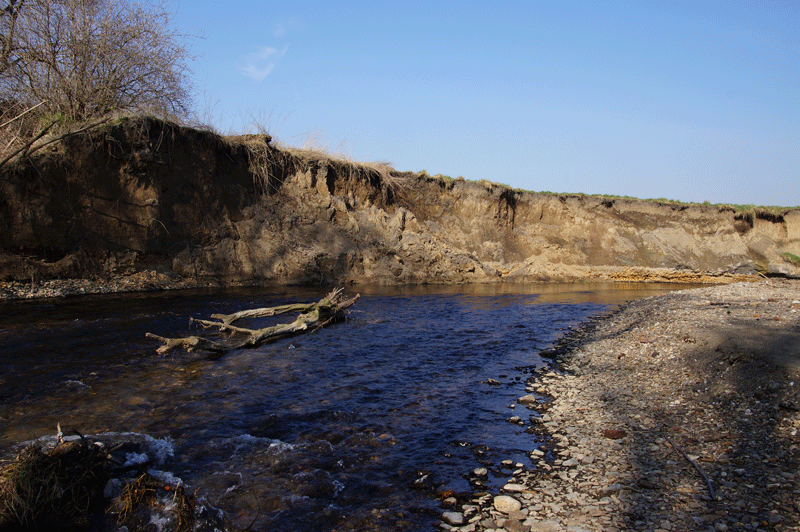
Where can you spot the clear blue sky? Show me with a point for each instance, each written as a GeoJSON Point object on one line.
{"type": "Point", "coordinates": [691, 101]}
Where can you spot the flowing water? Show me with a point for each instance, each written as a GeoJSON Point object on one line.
{"type": "Point", "coordinates": [356, 426]}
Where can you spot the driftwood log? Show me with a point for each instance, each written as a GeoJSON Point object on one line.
{"type": "Point", "coordinates": [312, 316]}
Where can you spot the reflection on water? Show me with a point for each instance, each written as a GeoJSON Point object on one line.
{"type": "Point", "coordinates": [356, 426]}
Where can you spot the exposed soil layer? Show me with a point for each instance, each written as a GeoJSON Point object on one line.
{"type": "Point", "coordinates": [141, 196]}
{"type": "Point", "coordinates": [704, 380]}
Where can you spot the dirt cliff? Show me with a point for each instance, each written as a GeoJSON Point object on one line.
{"type": "Point", "coordinates": [142, 194]}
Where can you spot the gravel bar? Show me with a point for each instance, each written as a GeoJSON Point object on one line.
{"type": "Point", "coordinates": [676, 412]}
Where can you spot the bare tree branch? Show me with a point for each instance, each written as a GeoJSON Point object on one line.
{"type": "Point", "coordinates": [92, 57]}
{"type": "Point", "coordinates": [312, 316]}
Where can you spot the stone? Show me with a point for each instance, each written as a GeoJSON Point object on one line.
{"type": "Point", "coordinates": [648, 483]}
{"type": "Point", "coordinates": [543, 526]}
{"type": "Point", "coordinates": [774, 519]}
{"type": "Point", "coordinates": [488, 524]}
{"type": "Point", "coordinates": [453, 518]}
{"type": "Point", "coordinates": [608, 490]}
{"type": "Point", "coordinates": [577, 528]}
{"type": "Point", "coordinates": [528, 400]}
{"type": "Point", "coordinates": [512, 525]}
{"type": "Point", "coordinates": [514, 487]}
{"type": "Point", "coordinates": [572, 462]}
{"type": "Point", "coordinates": [506, 504]}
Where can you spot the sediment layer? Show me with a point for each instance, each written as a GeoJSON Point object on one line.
{"type": "Point", "coordinates": [147, 197]}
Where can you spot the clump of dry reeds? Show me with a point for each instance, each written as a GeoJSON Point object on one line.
{"type": "Point", "coordinates": [270, 163]}
{"type": "Point", "coordinates": [61, 488]}
{"type": "Point", "coordinates": [53, 489]}
{"type": "Point", "coordinates": [147, 493]}
{"type": "Point", "coordinates": [346, 166]}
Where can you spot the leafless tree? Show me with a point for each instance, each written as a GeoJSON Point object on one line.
{"type": "Point", "coordinates": [8, 26]}
{"type": "Point", "coordinates": [89, 58]}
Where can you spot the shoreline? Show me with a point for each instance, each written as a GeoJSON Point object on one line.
{"type": "Point", "coordinates": [702, 380]}
{"type": "Point", "coordinates": [158, 280]}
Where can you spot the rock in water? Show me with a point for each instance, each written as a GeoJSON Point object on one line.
{"type": "Point", "coordinates": [528, 400]}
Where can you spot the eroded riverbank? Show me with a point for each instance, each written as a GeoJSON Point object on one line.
{"type": "Point", "coordinates": [669, 386]}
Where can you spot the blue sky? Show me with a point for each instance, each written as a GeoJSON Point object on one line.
{"type": "Point", "coordinates": [692, 101]}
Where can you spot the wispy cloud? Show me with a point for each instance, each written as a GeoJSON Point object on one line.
{"type": "Point", "coordinates": [284, 27]}
{"type": "Point", "coordinates": [259, 65]}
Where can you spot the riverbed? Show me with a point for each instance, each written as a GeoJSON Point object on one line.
{"type": "Point", "coordinates": [367, 424]}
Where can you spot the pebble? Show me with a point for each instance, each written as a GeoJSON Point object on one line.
{"type": "Point", "coordinates": [528, 400]}
{"type": "Point", "coordinates": [543, 526]}
{"type": "Point", "coordinates": [144, 281]}
{"type": "Point", "coordinates": [609, 463]}
{"type": "Point", "coordinates": [506, 504]}
{"type": "Point", "coordinates": [453, 518]}
{"type": "Point", "coordinates": [608, 490]}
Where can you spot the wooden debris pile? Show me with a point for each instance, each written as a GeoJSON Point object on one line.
{"type": "Point", "coordinates": [313, 316]}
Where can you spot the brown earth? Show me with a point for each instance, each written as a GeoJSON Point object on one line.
{"type": "Point", "coordinates": [145, 198]}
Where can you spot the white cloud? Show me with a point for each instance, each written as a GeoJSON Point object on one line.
{"type": "Point", "coordinates": [282, 28]}
{"type": "Point", "coordinates": [259, 65]}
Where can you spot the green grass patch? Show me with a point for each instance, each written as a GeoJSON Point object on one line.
{"type": "Point", "coordinates": [791, 258]}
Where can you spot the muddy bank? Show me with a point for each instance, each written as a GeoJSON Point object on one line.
{"type": "Point", "coordinates": [704, 380]}
{"type": "Point", "coordinates": [141, 196]}
{"type": "Point", "coordinates": [157, 280]}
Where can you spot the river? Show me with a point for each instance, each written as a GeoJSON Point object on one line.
{"type": "Point", "coordinates": [361, 425]}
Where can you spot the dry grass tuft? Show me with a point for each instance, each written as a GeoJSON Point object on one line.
{"type": "Point", "coordinates": [52, 489]}
{"type": "Point", "coordinates": [270, 163]}
{"type": "Point", "coordinates": [148, 492]}
{"type": "Point", "coordinates": [379, 171]}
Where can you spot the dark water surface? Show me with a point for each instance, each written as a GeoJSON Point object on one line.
{"type": "Point", "coordinates": [356, 426]}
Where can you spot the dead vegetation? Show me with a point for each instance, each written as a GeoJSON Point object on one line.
{"type": "Point", "coordinates": [52, 489]}
{"type": "Point", "coordinates": [148, 493]}
{"type": "Point", "coordinates": [313, 316]}
{"type": "Point", "coordinates": [86, 60]}
{"type": "Point", "coordinates": [66, 487]}
{"type": "Point", "coordinates": [23, 134]}
{"type": "Point", "coordinates": [271, 163]}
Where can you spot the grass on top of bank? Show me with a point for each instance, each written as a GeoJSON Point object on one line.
{"type": "Point", "coordinates": [739, 209]}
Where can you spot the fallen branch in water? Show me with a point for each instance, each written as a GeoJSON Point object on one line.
{"type": "Point", "coordinates": [313, 316]}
